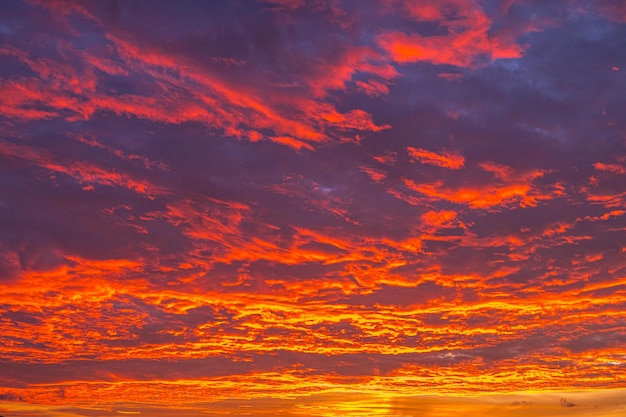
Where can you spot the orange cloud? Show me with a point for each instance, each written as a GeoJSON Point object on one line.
{"type": "Point", "coordinates": [388, 158]}
{"type": "Point", "coordinates": [511, 189]}
{"type": "Point", "coordinates": [609, 200]}
{"type": "Point", "coordinates": [440, 219]}
{"type": "Point", "coordinates": [606, 216]}
{"type": "Point", "coordinates": [376, 175]}
{"type": "Point", "coordinates": [291, 289]}
{"type": "Point", "coordinates": [614, 168]}
{"type": "Point", "coordinates": [445, 160]}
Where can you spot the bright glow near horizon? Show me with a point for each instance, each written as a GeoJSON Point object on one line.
{"type": "Point", "coordinates": [312, 208]}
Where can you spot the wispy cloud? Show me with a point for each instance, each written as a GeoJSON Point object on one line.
{"type": "Point", "coordinates": [312, 208]}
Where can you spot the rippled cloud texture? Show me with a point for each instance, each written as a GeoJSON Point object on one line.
{"type": "Point", "coordinates": [313, 208]}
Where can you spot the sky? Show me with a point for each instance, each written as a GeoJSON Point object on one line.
{"type": "Point", "coordinates": [312, 208]}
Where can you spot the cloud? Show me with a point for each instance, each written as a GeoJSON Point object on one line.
{"type": "Point", "coordinates": [467, 40]}
{"type": "Point", "coordinates": [311, 208]}
{"type": "Point", "coordinates": [614, 168]}
{"type": "Point", "coordinates": [445, 160]}
{"type": "Point", "coordinates": [516, 189]}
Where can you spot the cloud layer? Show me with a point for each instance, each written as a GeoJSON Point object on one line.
{"type": "Point", "coordinates": [217, 204]}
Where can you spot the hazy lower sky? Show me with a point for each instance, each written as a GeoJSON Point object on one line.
{"type": "Point", "coordinates": [313, 208]}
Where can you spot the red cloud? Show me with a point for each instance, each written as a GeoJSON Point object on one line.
{"type": "Point", "coordinates": [84, 173]}
{"type": "Point", "coordinates": [188, 92]}
{"type": "Point", "coordinates": [373, 88]}
{"type": "Point", "coordinates": [467, 42]}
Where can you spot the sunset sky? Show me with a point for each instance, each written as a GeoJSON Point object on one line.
{"type": "Point", "coordinates": [313, 208]}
